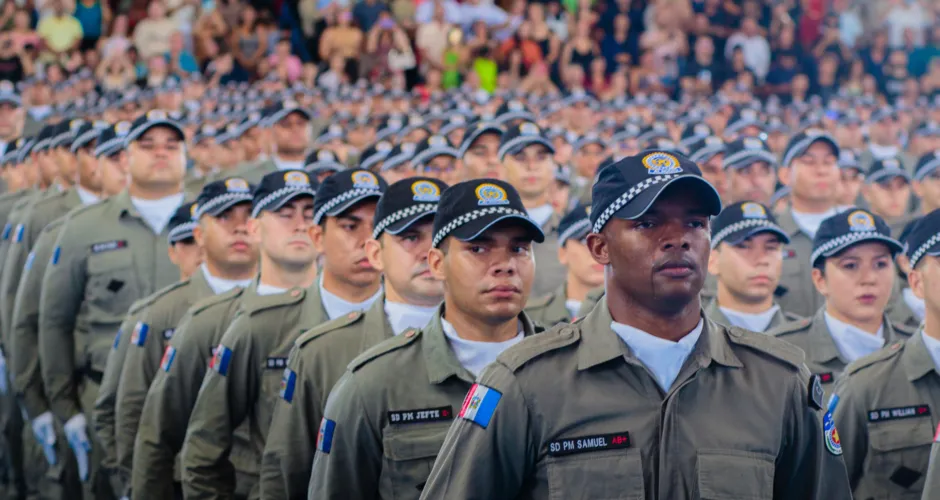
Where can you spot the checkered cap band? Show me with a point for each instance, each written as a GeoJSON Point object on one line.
{"type": "Point", "coordinates": [109, 147]}
{"type": "Point", "coordinates": [629, 195]}
{"type": "Point", "coordinates": [264, 202]}
{"type": "Point", "coordinates": [844, 240]}
{"type": "Point", "coordinates": [927, 168]}
{"type": "Point", "coordinates": [343, 198]}
{"type": "Point", "coordinates": [575, 228]}
{"type": "Point", "coordinates": [740, 226]}
{"type": "Point", "coordinates": [424, 208]}
{"type": "Point", "coordinates": [922, 250]}
{"type": "Point", "coordinates": [471, 216]}
{"type": "Point", "coordinates": [181, 232]}
{"type": "Point", "coordinates": [206, 207]}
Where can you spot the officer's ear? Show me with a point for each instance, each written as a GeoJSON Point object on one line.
{"type": "Point", "coordinates": [866, 193]}
{"type": "Point", "coordinates": [374, 254]}
{"type": "Point", "coordinates": [918, 189]}
{"type": "Point", "coordinates": [436, 260]}
{"type": "Point", "coordinates": [783, 175]}
{"type": "Point", "coordinates": [915, 278]}
{"type": "Point", "coordinates": [199, 235]}
{"type": "Point", "coordinates": [713, 257]}
{"type": "Point", "coordinates": [318, 235]}
{"type": "Point", "coordinates": [819, 280]}
{"type": "Point", "coordinates": [597, 245]}
{"type": "Point", "coordinates": [563, 255]}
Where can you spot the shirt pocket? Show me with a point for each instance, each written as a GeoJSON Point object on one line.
{"type": "Point", "coordinates": [900, 452]}
{"type": "Point", "coordinates": [599, 475]}
{"type": "Point", "coordinates": [112, 286]}
{"type": "Point", "coordinates": [410, 451]}
{"type": "Point", "coordinates": [735, 475]}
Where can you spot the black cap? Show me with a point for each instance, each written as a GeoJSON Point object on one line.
{"type": "Point", "coordinates": [885, 170]}
{"type": "Point", "coordinates": [469, 208]}
{"type": "Point", "coordinates": [398, 155]}
{"type": "Point", "coordinates": [151, 119]}
{"type": "Point", "coordinates": [627, 188]}
{"type": "Point", "coordinates": [801, 142]}
{"type": "Point", "coordinates": [65, 132]}
{"type": "Point", "coordinates": [44, 138]}
{"type": "Point", "coordinates": [588, 139]}
{"type": "Point", "coordinates": [476, 129]}
{"type": "Point", "coordinates": [693, 132]}
{"type": "Point", "coordinates": [924, 238]}
{"type": "Point", "coordinates": [706, 148]}
{"type": "Point", "coordinates": [576, 224]}
{"type": "Point", "coordinates": [748, 150]}
{"type": "Point", "coordinates": [182, 223]}
{"type": "Point", "coordinates": [513, 110]}
{"type": "Point", "coordinates": [218, 196]}
{"type": "Point", "coordinates": [520, 136]}
{"type": "Point", "coordinates": [334, 131]}
{"type": "Point", "coordinates": [406, 202]}
{"type": "Point", "coordinates": [849, 228]}
{"type": "Point", "coordinates": [744, 118]}
{"type": "Point", "coordinates": [739, 221]}
{"type": "Point", "coordinates": [280, 109]}
{"type": "Point", "coordinates": [205, 132]}
{"type": "Point", "coordinates": [86, 133]}
{"type": "Point", "coordinates": [928, 129]}
{"type": "Point", "coordinates": [278, 188]}
{"type": "Point", "coordinates": [17, 151]}
{"type": "Point", "coordinates": [926, 165]}
{"type": "Point", "coordinates": [375, 153]}
{"type": "Point", "coordinates": [340, 191]}
{"type": "Point", "coordinates": [322, 160]}
{"type": "Point", "coordinates": [8, 93]}
{"type": "Point", "coordinates": [432, 147]}
{"type": "Point", "coordinates": [848, 159]}
{"type": "Point", "coordinates": [112, 140]}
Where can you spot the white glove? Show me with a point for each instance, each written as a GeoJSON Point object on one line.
{"type": "Point", "coordinates": [4, 387]}
{"type": "Point", "coordinates": [76, 430]}
{"type": "Point", "coordinates": [44, 432]}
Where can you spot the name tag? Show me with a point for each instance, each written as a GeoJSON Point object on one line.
{"type": "Point", "coordinates": [826, 378]}
{"type": "Point", "coordinates": [789, 253]}
{"type": "Point", "coordinates": [276, 363]}
{"type": "Point", "coordinates": [883, 415]}
{"type": "Point", "coordinates": [587, 444]}
{"type": "Point", "coordinates": [108, 246]}
{"type": "Point", "coordinates": [444, 413]}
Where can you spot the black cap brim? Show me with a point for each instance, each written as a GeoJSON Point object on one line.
{"type": "Point", "coordinates": [885, 176]}
{"type": "Point", "coordinates": [475, 228]}
{"type": "Point", "coordinates": [517, 144]}
{"type": "Point", "coordinates": [180, 233]}
{"type": "Point", "coordinates": [280, 115]}
{"type": "Point", "coordinates": [218, 206]}
{"type": "Point", "coordinates": [892, 244]}
{"type": "Point", "coordinates": [739, 236]}
{"type": "Point", "coordinates": [346, 205]}
{"type": "Point", "coordinates": [400, 226]}
{"type": "Point", "coordinates": [320, 167]}
{"type": "Point", "coordinates": [136, 134]}
{"type": "Point", "coordinates": [275, 203]}
{"type": "Point", "coordinates": [801, 147]}
{"type": "Point", "coordinates": [746, 158]}
{"type": "Point", "coordinates": [639, 205]}
{"type": "Point", "coordinates": [471, 137]}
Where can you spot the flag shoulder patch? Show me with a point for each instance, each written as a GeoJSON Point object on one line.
{"type": "Point", "coordinates": [480, 405]}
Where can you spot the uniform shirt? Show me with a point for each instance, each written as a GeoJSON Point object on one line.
{"type": "Point", "coordinates": [801, 297]}
{"type": "Point", "coordinates": [86, 196]}
{"type": "Point", "coordinates": [717, 314]}
{"type": "Point", "coordinates": [550, 271]}
{"type": "Point", "coordinates": [405, 316]}
{"type": "Point", "coordinates": [914, 303]}
{"type": "Point", "coordinates": [336, 306]}
{"type": "Point", "coordinates": [754, 322]}
{"type": "Point", "coordinates": [157, 213]}
{"type": "Point", "coordinates": [664, 358]}
{"type": "Point", "coordinates": [222, 285]}
{"type": "Point", "coordinates": [933, 347]}
{"type": "Point", "coordinates": [475, 355]}
{"type": "Point", "coordinates": [853, 342]}
{"type": "Point", "coordinates": [809, 223]}
{"type": "Point", "coordinates": [287, 165]}
{"type": "Point", "coordinates": [573, 413]}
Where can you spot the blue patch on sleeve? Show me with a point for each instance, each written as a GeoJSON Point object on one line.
{"type": "Point", "coordinates": [6, 231]}
{"type": "Point", "coordinates": [833, 402]}
{"type": "Point", "coordinates": [168, 356]}
{"type": "Point", "coordinates": [288, 381]}
{"type": "Point", "coordinates": [20, 230]}
{"type": "Point", "coordinates": [139, 337]}
{"type": "Point", "coordinates": [117, 340]}
{"type": "Point", "coordinates": [325, 437]}
{"type": "Point", "coordinates": [56, 254]}
{"type": "Point", "coordinates": [29, 261]}
{"type": "Point", "coordinates": [222, 360]}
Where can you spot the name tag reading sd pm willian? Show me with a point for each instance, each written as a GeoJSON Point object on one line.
{"type": "Point", "coordinates": [585, 444]}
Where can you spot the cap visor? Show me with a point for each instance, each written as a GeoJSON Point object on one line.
{"type": "Point", "coordinates": [734, 161]}
{"type": "Point", "coordinates": [316, 168]}
{"type": "Point", "coordinates": [639, 205]}
{"type": "Point", "coordinates": [476, 134]}
{"type": "Point", "coordinates": [883, 177]}
{"type": "Point", "coordinates": [159, 123]}
{"type": "Point", "coordinates": [219, 209]}
{"type": "Point", "coordinates": [407, 222]}
{"type": "Point", "coordinates": [519, 143]}
{"type": "Point", "coordinates": [343, 207]}
{"type": "Point", "coordinates": [474, 229]}
{"type": "Point", "coordinates": [739, 236]}
{"type": "Point", "coordinates": [280, 201]}
{"type": "Point", "coordinates": [892, 244]}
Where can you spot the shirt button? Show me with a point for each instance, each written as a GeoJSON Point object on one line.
{"type": "Point", "coordinates": [294, 293]}
{"type": "Point", "coordinates": [409, 334]}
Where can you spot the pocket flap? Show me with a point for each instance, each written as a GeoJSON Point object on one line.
{"type": "Point", "coordinates": [110, 261]}
{"type": "Point", "coordinates": [888, 437]}
{"type": "Point", "coordinates": [413, 444]}
{"type": "Point", "coordinates": [735, 475]}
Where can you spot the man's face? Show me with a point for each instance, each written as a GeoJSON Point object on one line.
{"type": "Point", "coordinates": [112, 171]}
{"type": "Point", "coordinates": [11, 118]}
{"type": "Point", "coordinates": [777, 141]}
{"type": "Point", "coordinates": [403, 258]}
{"type": "Point", "coordinates": [481, 160]}
{"type": "Point", "coordinates": [814, 175]}
{"type": "Point", "coordinates": [444, 168]}
{"type": "Point", "coordinates": [852, 181]}
{"type": "Point", "coordinates": [225, 239]}
{"type": "Point", "coordinates": [928, 190]}
{"type": "Point", "coordinates": [88, 170]}
{"type": "Point", "coordinates": [68, 163]}
{"type": "Point", "coordinates": [925, 282]}
{"type": "Point", "coordinates": [48, 167]}
{"type": "Point", "coordinates": [186, 255]}
{"type": "Point", "coordinates": [715, 174]}
{"type": "Point", "coordinates": [888, 198]}
{"type": "Point", "coordinates": [576, 257]}
{"type": "Point", "coordinates": [157, 158]}
{"type": "Point", "coordinates": [659, 259]}
{"type": "Point", "coordinates": [750, 270]}
{"type": "Point", "coordinates": [588, 158]}
{"type": "Point", "coordinates": [754, 182]}
{"type": "Point", "coordinates": [489, 277]}
{"type": "Point", "coordinates": [284, 235]}
{"type": "Point", "coordinates": [292, 134]}
{"type": "Point", "coordinates": [858, 282]}
{"type": "Point", "coordinates": [417, 135]}
{"type": "Point", "coordinates": [402, 171]}
{"type": "Point", "coordinates": [342, 239]}
{"type": "Point", "coordinates": [884, 131]}
{"type": "Point", "coordinates": [530, 170]}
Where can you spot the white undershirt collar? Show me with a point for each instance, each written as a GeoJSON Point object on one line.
{"type": "Point", "coordinates": [474, 355]}
{"type": "Point", "coordinates": [853, 342]}
{"type": "Point", "coordinates": [915, 304]}
{"type": "Point", "coordinates": [336, 307]}
{"type": "Point", "coordinates": [809, 223]}
{"type": "Point", "coordinates": [157, 213]}
{"type": "Point", "coordinates": [541, 214]}
{"type": "Point", "coordinates": [405, 316]}
{"type": "Point", "coordinates": [758, 322]}
{"type": "Point", "coordinates": [287, 165]}
{"type": "Point", "coordinates": [663, 358]}
{"type": "Point", "coordinates": [87, 197]}
{"type": "Point", "coordinates": [269, 289]}
{"type": "Point", "coordinates": [933, 347]}
{"type": "Point", "coordinates": [221, 285]}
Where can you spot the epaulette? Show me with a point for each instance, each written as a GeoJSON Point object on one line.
{"type": "Point", "coordinates": [792, 327]}
{"type": "Point", "coordinates": [905, 330]}
{"type": "Point", "coordinates": [54, 225]}
{"type": "Point", "coordinates": [205, 303]}
{"type": "Point", "coordinates": [138, 306]}
{"type": "Point", "coordinates": [382, 348]}
{"type": "Point", "coordinates": [84, 209]}
{"type": "Point", "coordinates": [155, 296]}
{"type": "Point", "coordinates": [874, 358]}
{"type": "Point", "coordinates": [12, 197]}
{"type": "Point", "coordinates": [773, 346]}
{"type": "Point", "coordinates": [790, 317]}
{"type": "Point", "coordinates": [329, 326]}
{"type": "Point", "coordinates": [540, 301]}
{"type": "Point", "coordinates": [532, 347]}
{"type": "Point", "coordinates": [260, 303]}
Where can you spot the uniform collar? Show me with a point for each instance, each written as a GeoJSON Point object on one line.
{"type": "Point", "coordinates": [124, 204]}
{"type": "Point", "coordinates": [313, 312]}
{"type": "Point", "coordinates": [557, 305]}
{"type": "Point", "coordinates": [822, 347]}
{"type": "Point", "coordinates": [916, 358]}
{"type": "Point", "coordinates": [200, 285]}
{"type": "Point", "coordinates": [786, 222]}
{"type": "Point", "coordinates": [376, 325]}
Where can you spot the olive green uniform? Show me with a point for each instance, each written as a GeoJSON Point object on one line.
{"type": "Point", "coordinates": [740, 421]}
{"type": "Point", "coordinates": [900, 314]}
{"type": "Point", "coordinates": [252, 171]}
{"type": "Point", "coordinates": [172, 396]}
{"type": "Point", "coordinates": [155, 328]}
{"type": "Point", "coordinates": [801, 298]}
{"type": "Point", "coordinates": [106, 258]}
{"type": "Point", "coordinates": [316, 362]}
{"type": "Point", "coordinates": [245, 387]}
{"type": "Point", "coordinates": [885, 407]}
{"type": "Point", "coordinates": [593, 297]}
{"type": "Point", "coordinates": [549, 310]}
{"type": "Point", "coordinates": [932, 482]}
{"type": "Point", "coordinates": [714, 313]}
{"type": "Point", "coordinates": [822, 355]}
{"type": "Point", "coordinates": [549, 271]}
{"type": "Point", "coordinates": [391, 411]}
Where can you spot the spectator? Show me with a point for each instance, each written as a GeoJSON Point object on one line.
{"type": "Point", "coordinates": [831, 40]}
{"type": "Point", "coordinates": [431, 38]}
{"type": "Point", "coordinates": [453, 59]}
{"type": "Point", "coordinates": [557, 19]}
{"type": "Point", "coordinates": [876, 54]}
{"type": "Point", "coordinates": [827, 77]}
{"type": "Point", "coordinates": [615, 45]}
{"type": "Point", "coordinates": [60, 32]}
{"type": "Point", "coordinates": [597, 80]}
{"type": "Point", "coordinates": [335, 75]}
{"type": "Point", "coordinates": [152, 35]}
{"type": "Point", "coordinates": [646, 77]}
{"type": "Point", "coordinates": [94, 16]}
{"type": "Point", "coordinates": [157, 72]}
{"type": "Point", "coordinates": [850, 22]}
{"type": "Point", "coordinates": [13, 66]}
{"type": "Point", "coordinates": [117, 43]}
{"type": "Point", "coordinates": [115, 73]}
{"type": "Point", "coordinates": [754, 47]}
{"type": "Point", "coordinates": [921, 57]}
{"type": "Point", "coordinates": [580, 50]}
{"type": "Point", "coordinates": [473, 11]}
{"type": "Point", "coordinates": [343, 38]}
{"type": "Point", "coordinates": [390, 53]}
{"type": "Point", "coordinates": [366, 13]}
{"type": "Point", "coordinates": [181, 61]}
{"type": "Point", "coordinates": [249, 41]}
{"type": "Point", "coordinates": [930, 82]}
{"type": "Point", "coordinates": [894, 74]}
{"type": "Point", "coordinates": [904, 15]}
{"type": "Point", "coordinates": [284, 63]}
{"type": "Point", "coordinates": [22, 33]}
{"type": "Point", "coordinates": [702, 74]}
{"type": "Point", "coordinates": [453, 12]}
{"type": "Point", "coordinates": [542, 33]}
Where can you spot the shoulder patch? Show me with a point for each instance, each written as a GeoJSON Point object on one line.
{"type": "Point", "coordinates": [207, 302]}
{"type": "Point", "coordinates": [874, 358]}
{"type": "Point", "coordinates": [329, 326]}
{"type": "Point", "coordinates": [259, 303]}
{"type": "Point", "coordinates": [762, 342]}
{"type": "Point", "coordinates": [792, 327]}
{"type": "Point", "coordinates": [382, 348]}
{"type": "Point", "coordinates": [532, 347]}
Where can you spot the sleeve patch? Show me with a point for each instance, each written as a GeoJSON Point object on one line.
{"type": "Point", "coordinates": [56, 254]}
{"type": "Point", "coordinates": [833, 443]}
{"type": "Point", "coordinates": [6, 231]}
{"type": "Point", "coordinates": [288, 382]}
{"type": "Point", "coordinates": [139, 336]}
{"type": "Point", "coordinates": [325, 436]}
{"type": "Point", "coordinates": [29, 261]}
{"type": "Point", "coordinates": [20, 230]}
{"type": "Point", "coordinates": [815, 393]}
{"type": "Point", "coordinates": [833, 402]}
{"type": "Point", "coordinates": [168, 356]}
{"type": "Point", "coordinates": [936, 437]}
{"type": "Point", "coordinates": [275, 363]}
{"type": "Point", "coordinates": [117, 340]}
{"type": "Point", "coordinates": [480, 404]}
{"type": "Point", "coordinates": [222, 360]}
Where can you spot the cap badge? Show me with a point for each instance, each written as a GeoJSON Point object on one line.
{"type": "Point", "coordinates": [7, 87]}
{"type": "Point", "coordinates": [296, 180]}
{"type": "Point", "coordinates": [122, 129]}
{"type": "Point", "coordinates": [335, 130]}
{"type": "Point", "coordinates": [156, 114]}
{"type": "Point", "coordinates": [890, 164]}
{"type": "Point", "coordinates": [753, 211]}
{"type": "Point", "coordinates": [528, 128]}
{"type": "Point", "coordinates": [426, 191]}
{"type": "Point", "coordinates": [515, 106]}
{"type": "Point", "coordinates": [861, 221]}
{"type": "Point", "coordinates": [237, 185]}
{"type": "Point", "coordinates": [408, 148]}
{"type": "Point", "coordinates": [365, 180]}
{"type": "Point", "coordinates": [813, 132]}
{"type": "Point", "coordinates": [192, 210]}
{"type": "Point", "coordinates": [701, 130]}
{"type": "Point", "coordinates": [326, 156]}
{"type": "Point", "coordinates": [75, 124]}
{"type": "Point", "coordinates": [458, 120]}
{"type": "Point", "coordinates": [393, 124]}
{"type": "Point", "coordinates": [713, 141]}
{"type": "Point", "coordinates": [661, 164]}
{"type": "Point", "coordinates": [749, 114]}
{"type": "Point", "coordinates": [437, 141]}
{"type": "Point", "coordinates": [491, 194]}
{"type": "Point", "coordinates": [383, 147]}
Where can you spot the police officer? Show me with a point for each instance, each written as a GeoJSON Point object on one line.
{"type": "Point", "coordinates": [527, 157]}
{"type": "Point", "coordinates": [399, 248]}
{"type": "Point", "coordinates": [746, 258]}
{"type": "Point", "coordinates": [107, 256]}
{"type": "Point", "coordinates": [479, 152]}
{"type": "Point", "coordinates": [751, 169]}
{"type": "Point", "coordinates": [810, 169]}
{"type": "Point", "coordinates": [709, 153]}
{"type": "Point", "coordinates": [853, 256]}
{"type": "Point", "coordinates": [437, 158]}
{"type": "Point", "coordinates": [172, 394]}
{"type": "Point", "coordinates": [926, 183]}
{"type": "Point", "coordinates": [885, 404]}
{"type": "Point", "coordinates": [252, 354]}
{"type": "Point", "coordinates": [387, 416]}
{"type": "Point", "coordinates": [229, 261]}
{"type": "Point", "coordinates": [583, 274]}
{"type": "Point", "coordinates": [852, 178]}
{"type": "Point", "coordinates": [887, 191]}
{"type": "Point", "coordinates": [290, 133]}
{"type": "Point", "coordinates": [613, 404]}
